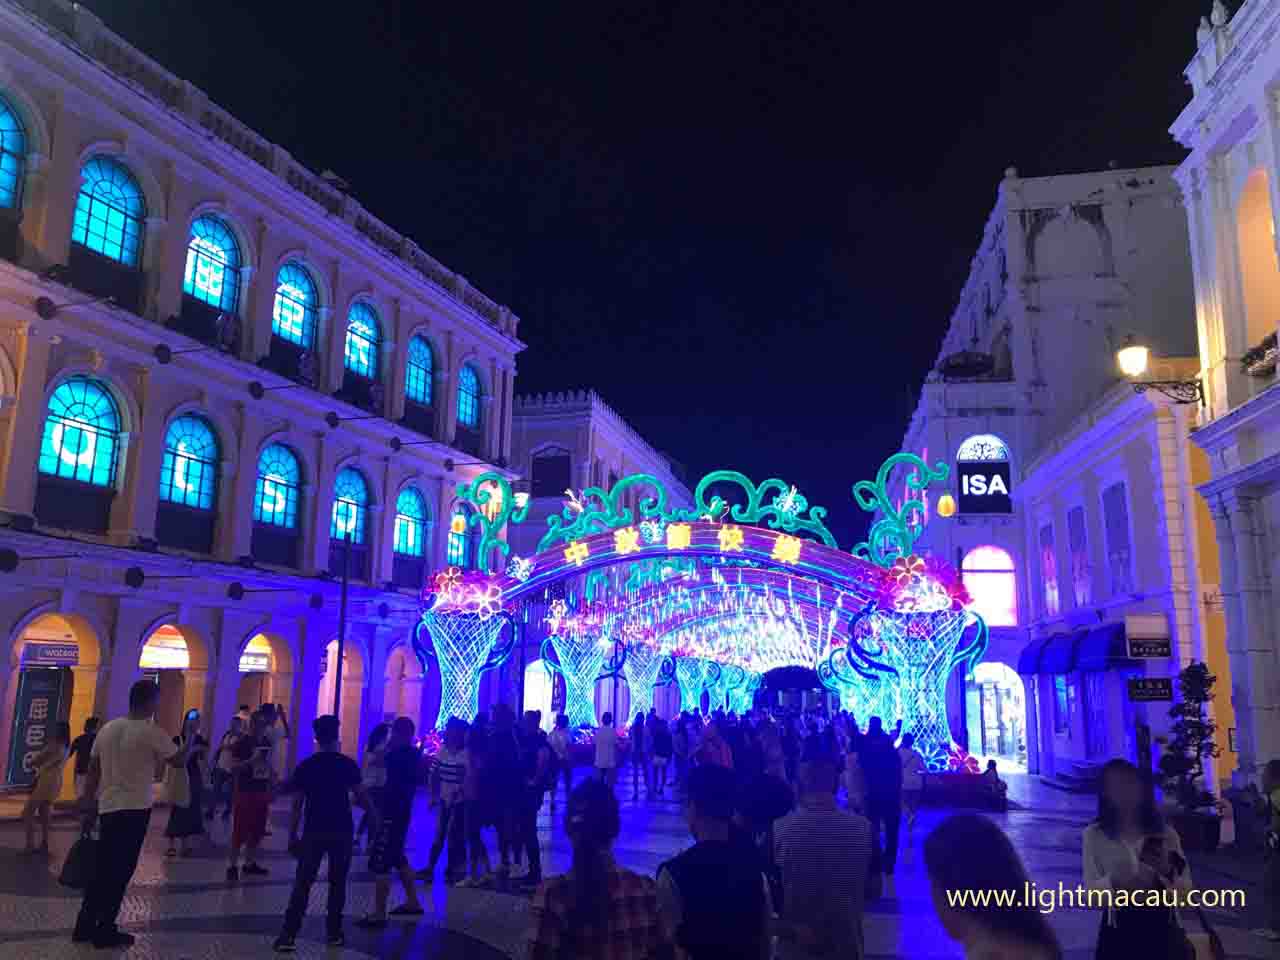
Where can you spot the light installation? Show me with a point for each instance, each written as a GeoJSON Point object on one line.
{"type": "Point", "coordinates": [81, 433]}
{"type": "Point", "coordinates": [713, 596]}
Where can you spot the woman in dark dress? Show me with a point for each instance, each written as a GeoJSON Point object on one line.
{"type": "Point", "coordinates": [187, 822]}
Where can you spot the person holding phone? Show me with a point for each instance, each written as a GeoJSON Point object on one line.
{"type": "Point", "coordinates": [187, 823]}
{"type": "Point", "coordinates": [251, 804]}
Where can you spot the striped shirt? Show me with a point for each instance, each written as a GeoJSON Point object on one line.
{"type": "Point", "coordinates": [824, 854]}
{"type": "Point", "coordinates": [451, 772]}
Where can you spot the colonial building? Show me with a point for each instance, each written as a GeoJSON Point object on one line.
{"type": "Point", "coordinates": [223, 385]}
{"type": "Point", "coordinates": [1052, 466]}
{"type": "Point", "coordinates": [1231, 189]}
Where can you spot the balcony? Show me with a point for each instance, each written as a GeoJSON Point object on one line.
{"type": "Point", "coordinates": [68, 505]}
{"type": "Point", "coordinates": [359, 568]}
{"type": "Point", "coordinates": [419, 419]}
{"type": "Point", "coordinates": [469, 441]}
{"type": "Point", "coordinates": [9, 236]}
{"type": "Point", "coordinates": [184, 528]}
{"type": "Point", "coordinates": [290, 361]}
{"type": "Point", "coordinates": [275, 545]}
{"type": "Point", "coordinates": [360, 392]}
{"type": "Point", "coordinates": [103, 277]}
{"type": "Point", "coordinates": [206, 323]}
{"type": "Point", "coordinates": [408, 572]}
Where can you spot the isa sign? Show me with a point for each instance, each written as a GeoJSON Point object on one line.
{"type": "Point", "coordinates": [985, 486]}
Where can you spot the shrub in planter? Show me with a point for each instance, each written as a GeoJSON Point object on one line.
{"type": "Point", "coordinates": [1182, 763]}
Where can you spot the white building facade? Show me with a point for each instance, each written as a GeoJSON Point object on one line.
{"type": "Point", "coordinates": [1231, 188]}
{"type": "Point", "coordinates": [222, 382]}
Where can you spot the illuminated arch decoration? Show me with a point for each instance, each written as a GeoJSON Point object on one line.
{"type": "Point", "coordinates": [13, 156]}
{"type": "Point", "coordinates": [189, 468]}
{"type": "Point", "coordinates": [742, 688]}
{"type": "Point", "coordinates": [694, 675]}
{"type": "Point", "coordinates": [212, 274]}
{"type": "Point", "coordinates": [409, 536]}
{"type": "Point", "coordinates": [350, 506]}
{"type": "Point", "coordinates": [418, 371]}
{"type": "Point", "coordinates": [293, 312]}
{"type": "Point", "coordinates": [983, 447]}
{"type": "Point", "coordinates": [468, 397]}
{"type": "Point", "coordinates": [583, 653]}
{"type": "Point", "coordinates": [642, 667]}
{"type": "Point", "coordinates": [81, 438]}
{"type": "Point", "coordinates": [363, 342]}
{"type": "Point", "coordinates": [110, 212]}
{"type": "Point", "coordinates": [275, 494]}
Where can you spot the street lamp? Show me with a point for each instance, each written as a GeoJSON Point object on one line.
{"type": "Point", "coordinates": [1132, 358]}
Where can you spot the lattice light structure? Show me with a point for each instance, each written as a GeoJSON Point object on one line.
{"type": "Point", "coordinates": [581, 657]}
{"type": "Point", "coordinates": [641, 669]}
{"type": "Point", "coordinates": [464, 645]}
{"type": "Point", "coordinates": [693, 674]}
{"type": "Point", "coordinates": [740, 688]}
{"type": "Point", "coordinates": [718, 687]}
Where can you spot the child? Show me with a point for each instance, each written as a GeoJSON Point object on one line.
{"type": "Point", "coordinates": [447, 785]}
{"type": "Point", "coordinates": [997, 786]}
{"type": "Point", "coordinates": [560, 745]}
{"type": "Point", "coordinates": [607, 750]}
{"type": "Point", "coordinates": [373, 772]}
{"type": "Point", "coordinates": [913, 769]}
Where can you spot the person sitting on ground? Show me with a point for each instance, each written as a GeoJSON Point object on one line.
{"type": "Point", "coordinates": [995, 786]}
{"type": "Point", "coordinates": [713, 899]}
{"type": "Point", "coordinates": [598, 910]}
{"type": "Point", "coordinates": [967, 852]}
{"type": "Point", "coordinates": [387, 853]}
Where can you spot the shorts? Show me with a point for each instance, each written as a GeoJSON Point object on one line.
{"type": "Point", "coordinates": [387, 852]}
{"type": "Point", "coordinates": [249, 817]}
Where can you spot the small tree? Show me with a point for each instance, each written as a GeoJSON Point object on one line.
{"type": "Point", "coordinates": [1190, 739]}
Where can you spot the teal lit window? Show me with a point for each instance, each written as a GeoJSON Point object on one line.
{"type": "Point", "coordinates": [293, 315]}
{"type": "Point", "coordinates": [363, 341]}
{"type": "Point", "coordinates": [275, 496]}
{"type": "Point", "coordinates": [468, 398]}
{"type": "Point", "coordinates": [411, 523]}
{"type": "Point", "coordinates": [458, 549]}
{"type": "Point", "coordinates": [350, 506]}
{"type": "Point", "coordinates": [81, 433]}
{"type": "Point", "coordinates": [213, 265]}
{"type": "Point", "coordinates": [417, 375]}
{"type": "Point", "coordinates": [13, 156]}
{"type": "Point", "coordinates": [109, 212]}
{"type": "Point", "coordinates": [189, 470]}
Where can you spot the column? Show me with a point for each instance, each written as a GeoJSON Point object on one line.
{"type": "Point", "coordinates": [378, 543]}
{"type": "Point", "coordinates": [1227, 281]}
{"type": "Point", "coordinates": [447, 402]}
{"type": "Point", "coordinates": [26, 425]}
{"type": "Point", "coordinates": [311, 638]}
{"type": "Point", "coordinates": [34, 201]}
{"type": "Point", "coordinates": [232, 631]}
{"type": "Point", "coordinates": [331, 340]}
{"type": "Point", "coordinates": [508, 410]}
{"type": "Point", "coordinates": [256, 308]}
{"type": "Point", "coordinates": [316, 535]}
{"type": "Point", "coordinates": [488, 411]}
{"type": "Point", "coordinates": [1259, 680]}
{"type": "Point", "coordinates": [144, 453]}
{"type": "Point", "coordinates": [441, 425]}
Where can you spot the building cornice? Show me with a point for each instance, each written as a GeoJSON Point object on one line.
{"type": "Point", "coordinates": [1261, 476]}
{"type": "Point", "coordinates": [1260, 412]}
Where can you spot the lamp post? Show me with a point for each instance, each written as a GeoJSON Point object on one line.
{"type": "Point", "coordinates": [1133, 357]}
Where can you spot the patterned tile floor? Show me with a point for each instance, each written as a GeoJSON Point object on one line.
{"type": "Point", "coordinates": [182, 911]}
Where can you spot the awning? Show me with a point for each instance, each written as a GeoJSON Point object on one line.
{"type": "Point", "coordinates": [1104, 648]}
{"type": "Point", "coordinates": [1029, 658]}
{"type": "Point", "coordinates": [1059, 654]}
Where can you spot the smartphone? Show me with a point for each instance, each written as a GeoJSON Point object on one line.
{"type": "Point", "coordinates": [192, 715]}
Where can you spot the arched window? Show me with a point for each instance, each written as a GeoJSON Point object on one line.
{"type": "Point", "coordinates": [468, 398]}
{"type": "Point", "coordinates": [13, 156]}
{"type": "Point", "coordinates": [550, 473]}
{"type": "Point", "coordinates": [411, 523]}
{"type": "Point", "coordinates": [189, 470]}
{"type": "Point", "coordinates": [417, 377]}
{"type": "Point", "coordinates": [293, 315]}
{"type": "Point", "coordinates": [458, 553]}
{"type": "Point", "coordinates": [275, 496]}
{"type": "Point", "coordinates": [81, 439]}
{"type": "Point", "coordinates": [364, 339]}
{"type": "Point", "coordinates": [350, 506]}
{"type": "Point", "coordinates": [110, 212]}
{"type": "Point", "coordinates": [989, 577]}
{"type": "Point", "coordinates": [213, 265]}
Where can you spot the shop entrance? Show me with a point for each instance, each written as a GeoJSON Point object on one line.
{"type": "Point", "coordinates": [995, 711]}
{"type": "Point", "coordinates": [352, 693]}
{"type": "Point", "coordinates": [402, 694]}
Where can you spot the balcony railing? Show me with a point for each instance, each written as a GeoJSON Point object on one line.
{"type": "Point", "coordinates": [1260, 361]}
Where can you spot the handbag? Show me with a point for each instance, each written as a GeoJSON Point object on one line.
{"type": "Point", "coordinates": [78, 867]}
{"type": "Point", "coordinates": [177, 787]}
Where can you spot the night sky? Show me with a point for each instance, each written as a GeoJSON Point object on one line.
{"type": "Point", "coordinates": [745, 225]}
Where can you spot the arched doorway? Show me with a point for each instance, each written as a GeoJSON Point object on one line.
{"type": "Point", "coordinates": [54, 671]}
{"type": "Point", "coordinates": [619, 703]}
{"type": "Point", "coordinates": [539, 690]}
{"type": "Point", "coordinates": [352, 692]}
{"type": "Point", "coordinates": [266, 673]}
{"type": "Point", "coordinates": [174, 658]}
{"type": "Point", "coordinates": [402, 693]}
{"type": "Point", "coordinates": [995, 714]}
{"type": "Point", "coordinates": [793, 689]}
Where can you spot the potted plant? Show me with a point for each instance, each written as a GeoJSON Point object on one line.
{"type": "Point", "coordinates": [1195, 816]}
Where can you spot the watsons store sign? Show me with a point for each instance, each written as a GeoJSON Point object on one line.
{"type": "Point", "coordinates": [985, 475]}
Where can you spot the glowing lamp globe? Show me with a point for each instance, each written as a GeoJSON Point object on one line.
{"type": "Point", "coordinates": [458, 524]}
{"type": "Point", "coordinates": [1132, 358]}
{"type": "Point", "coordinates": [946, 506]}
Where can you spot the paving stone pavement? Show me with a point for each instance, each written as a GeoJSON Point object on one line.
{"type": "Point", "coordinates": [181, 910]}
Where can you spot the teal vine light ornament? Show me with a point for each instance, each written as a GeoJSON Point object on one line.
{"type": "Point", "coordinates": [597, 510]}
{"type": "Point", "coordinates": [774, 501]}
{"type": "Point", "coordinates": [894, 534]}
{"type": "Point", "coordinates": [495, 505]}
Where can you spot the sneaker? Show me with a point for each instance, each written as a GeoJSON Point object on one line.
{"type": "Point", "coordinates": [338, 939]}
{"type": "Point", "coordinates": [254, 870]}
{"type": "Point", "coordinates": [233, 876]}
{"type": "Point", "coordinates": [284, 944]}
{"type": "Point", "coordinates": [113, 939]}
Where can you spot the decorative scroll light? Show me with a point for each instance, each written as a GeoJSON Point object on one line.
{"type": "Point", "coordinates": [495, 506]}
{"type": "Point", "coordinates": [895, 533]}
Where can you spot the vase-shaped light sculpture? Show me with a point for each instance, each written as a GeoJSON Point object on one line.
{"type": "Point", "coordinates": [718, 687]}
{"type": "Point", "coordinates": [915, 652]}
{"type": "Point", "coordinates": [693, 674]}
{"type": "Point", "coordinates": [580, 659]}
{"type": "Point", "coordinates": [641, 669]}
{"type": "Point", "coordinates": [741, 689]}
{"type": "Point", "coordinates": [464, 645]}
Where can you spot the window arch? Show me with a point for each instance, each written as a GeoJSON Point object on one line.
{"type": "Point", "coordinates": [988, 575]}
{"type": "Point", "coordinates": [550, 472]}
{"type": "Point", "coordinates": [459, 552]}
{"type": "Point", "coordinates": [275, 496]}
{"type": "Point", "coordinates": [110, 211]}
{"type": "Point", "coordinates": [418, 373]}
{"type": "Point", "coordinates": [189, 470]}
{"type": "Point", "coordinates": [293, 314]}
{"type": "Point", "coordinates": [13, 156]}
{"type": "Point", "coordinates": [411, 523]}
{"type": "Point", "coordinates": [350, 506]}
{"type": "Point", "coordinates": [213, 265]}
{"type": "Point", "coordinates": [468, 398]}
{"type": "Point", "coordinates": [81, 438]}
{"type": "Point", "coordinates": [364, 340]}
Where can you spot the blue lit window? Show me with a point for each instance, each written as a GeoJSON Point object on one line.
{"type": "Point", "coordinates": [189, 470]}
{"type": "Point", "coordinates": [417, 375]}
{"type": "Point", "coordinates": [81, 433]}
{"type": "Point", "coordinates": [13, 156]}
{"type": "Point", "coordinates": [293, 315]}
{"type": "Point", "coordinates": [213, 265]}
{"type": "Point", "coordinates": [468, 398]}
{"type": "Point", "coordinates": [363, 341]}
{"type": "Point", "coordinates": [350, 506]}
{"type": "Point", "coordinates": [275, 497]}
{"type": "Point", "coordinates": [458, 549]}
{"type": "Point", "coordinates": [411, 517]}
{"type": "Point", "coordinates": [109, 212]}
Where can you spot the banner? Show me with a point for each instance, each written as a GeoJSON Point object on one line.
{"type": "Point", "coordinates": [38, 708]}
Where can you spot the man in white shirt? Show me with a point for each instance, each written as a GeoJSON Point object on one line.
{"type": "Point", "coordinates": [607, 750]}
{"type": "Point", "coordinates": [119, 785]}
